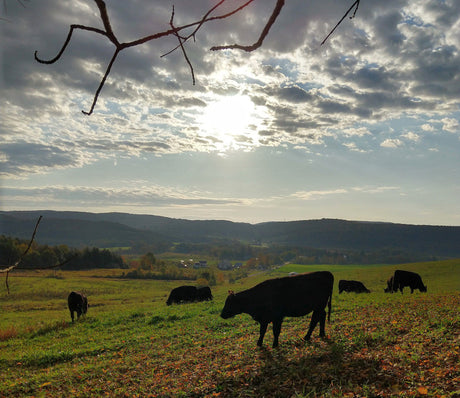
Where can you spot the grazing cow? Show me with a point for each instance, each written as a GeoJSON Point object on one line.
{"type": "Point", "coordinates": [189, 294]}
{"type": "Point", "coordinates": [182, 294]}
{"type": "Point", "coordinates": [352, 286]}
{"type": "Point", "coordinates": [204, 294]}
{"type": "Point", "coordinates": [274, 299]}
{"type": "Point", "coordinates": [407, 278]}
{"type": "Point", "coordinates": [389, 288]}
{"type": "Point", "coordinates": [77, 303]}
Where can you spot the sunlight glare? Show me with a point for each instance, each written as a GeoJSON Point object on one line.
{"type": "Point", "coordinates": [227, 118]}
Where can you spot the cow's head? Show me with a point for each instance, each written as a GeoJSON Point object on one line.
{"type": "Point", "coordinates": [231, 307]}
{"type": "Point", "coordinates": [84, 307]}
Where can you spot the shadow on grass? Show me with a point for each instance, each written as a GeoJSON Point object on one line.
{"type": "Point", "coordinates": [333, 372]}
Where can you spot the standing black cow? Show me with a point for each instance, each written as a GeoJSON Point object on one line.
{"type": "Point", "coordinates": [407, 278]}
{"type": "Point", "coordinates": [352, 286]}
{"type": "Point", "coordinates": [204, 293]}
{"type": "Point", "coordinates": [274, 299]}
{"type": "Point", "coordinates": [77, 303]}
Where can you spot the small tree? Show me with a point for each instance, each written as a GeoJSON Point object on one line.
{"type": "Point", "coordinates": [147, 261]}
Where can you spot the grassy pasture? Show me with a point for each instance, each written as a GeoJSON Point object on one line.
{"type": "Point", "coordinates": [132, 344]}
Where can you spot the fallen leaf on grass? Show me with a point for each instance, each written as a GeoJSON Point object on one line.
{"type": "Point", "coordinates": [422, 390]}
{"type": "Point", "coordinates": [45, 384]}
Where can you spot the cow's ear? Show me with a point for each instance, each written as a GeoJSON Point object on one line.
{"type": "Point", "coordinates": [231, 293]}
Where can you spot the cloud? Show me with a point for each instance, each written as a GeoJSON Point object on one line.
{"type": "Point", "coordinates": [375, 190]}
{"type": "Point", "coordinates": [78, 196]}
{"type": "Point", "coordinates": [451, 125]}
{"type": "Point", "coordinates": [392, 143]}
{"type": "Point", "coordinates": [410, 136]}
{"type": "Point", "coordinates": [313, 195]}
{"type": "Point", "coordinates": [427, 127]}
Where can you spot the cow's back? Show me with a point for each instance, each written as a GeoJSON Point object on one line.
{"type": "Point", "coordinates": [77, 300]}
{"type": "Point", "coordinates": [294, 295]}
{"type": "Point", "coordinates": [182, 293]}
{"type": "Point", "coordinates": [204, 293]}
{"type": "Point", "coordinates": [403, 278]}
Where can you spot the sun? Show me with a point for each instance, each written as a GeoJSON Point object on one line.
{"type": "Point", "coordinates": [228, 119]}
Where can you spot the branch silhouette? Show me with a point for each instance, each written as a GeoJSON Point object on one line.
{"type": "Point", "coordinates": [16, 265]}
{"type": "Point", "coordinates": [174, 31]}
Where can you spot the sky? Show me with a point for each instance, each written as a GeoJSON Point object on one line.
{"type": "Point", "coordinates": [365, 127]}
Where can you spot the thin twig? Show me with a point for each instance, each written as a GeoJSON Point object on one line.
{"type": "Point", "coordinates": [276, 11]}
{"type": "Point", "coordinates": [51, 266]}
{"type": "Point", "coordinates": [64, 46]}
{"type": "Point", "coordinates": [356, 3]}
{"type": "Point", "coordinates": [101, 84]}
{"type": "Point", "coordinates": [12, 267]}
{"type": "Point", "coordinates": [181, 44]}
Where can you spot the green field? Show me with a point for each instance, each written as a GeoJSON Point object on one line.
{"type": "Point", "coordinates": [132, 344]}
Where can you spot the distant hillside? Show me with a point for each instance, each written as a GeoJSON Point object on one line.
{"type": "Point", "coordinates": [74, 230]}
{"type": "Point", "coordinates": [79, 229]}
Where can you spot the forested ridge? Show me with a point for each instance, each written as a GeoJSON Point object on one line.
{"type": "Point", "coordinates": [310, 238]}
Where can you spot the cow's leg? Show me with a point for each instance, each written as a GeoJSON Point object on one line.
{"type": "Point", "coordinates": [78, 313]}
{"type": "Point", "coordinates": [276, 331]}
{"type": "Point", "coordinates": [263, 329]}
{"type": "Point", "coordinates": [71, 315]}
{"type": "Point", "coordinates": [314, 321]}
{"type": "Point", "coordinates": [322, 323]}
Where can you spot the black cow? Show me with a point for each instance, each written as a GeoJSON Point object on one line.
{"type": "Point", "coordinates": [407, 278]}
{"type": "Point", "coordinates": [389, 288]}
{"type": "Point", "coordinates": [352, 286]}
{"type": "Point", "coordinates": [274, 299]}
{"type": "Point", "coordinates": [77, 303]}
{"type": "Point", "coordinates": [182, 294]}
{"type": "Point", "coordinates": [204, 294]}
{"type": "Point", "coordinates": [189, 294]}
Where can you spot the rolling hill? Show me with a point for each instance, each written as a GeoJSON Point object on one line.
{"type": "Point", "coordinates": [78, 229]}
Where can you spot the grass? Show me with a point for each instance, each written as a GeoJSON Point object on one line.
{"type": "Point", "coordinates": [132, 344]}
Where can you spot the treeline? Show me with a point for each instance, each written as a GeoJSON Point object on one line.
{"type": "Point", "coordinates": [269, 255]}
{"type": "Point", "coordinates": [44, 256]}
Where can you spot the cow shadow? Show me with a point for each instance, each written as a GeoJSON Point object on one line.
{"type": "Point", "coordinates": [291, 369]}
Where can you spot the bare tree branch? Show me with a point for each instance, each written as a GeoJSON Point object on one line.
{"type": "Point", "coordinates": [101, 84]}
{"type": "Point", "coordinates": [5, 8]}
{"type": "Point", "coordinates": [21, 258]}
{"type": "Point", "coordinates": [12, 267]}
{"type": "Point", "coordinates": [64, 46]}
{"type": "Point", "coordinates": [276, 11]}
{"type": "Point", "coordinates": [181, 44]}
{"type": "Point", "coordinates": [355, 4]}
{"type": "Point", "coordinates": [175, 31]}
{"type": "Point", "coordinates": [51, 266]}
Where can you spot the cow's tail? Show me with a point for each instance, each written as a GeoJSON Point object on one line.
{"type": "Point", "coordinates": [329, 307]}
